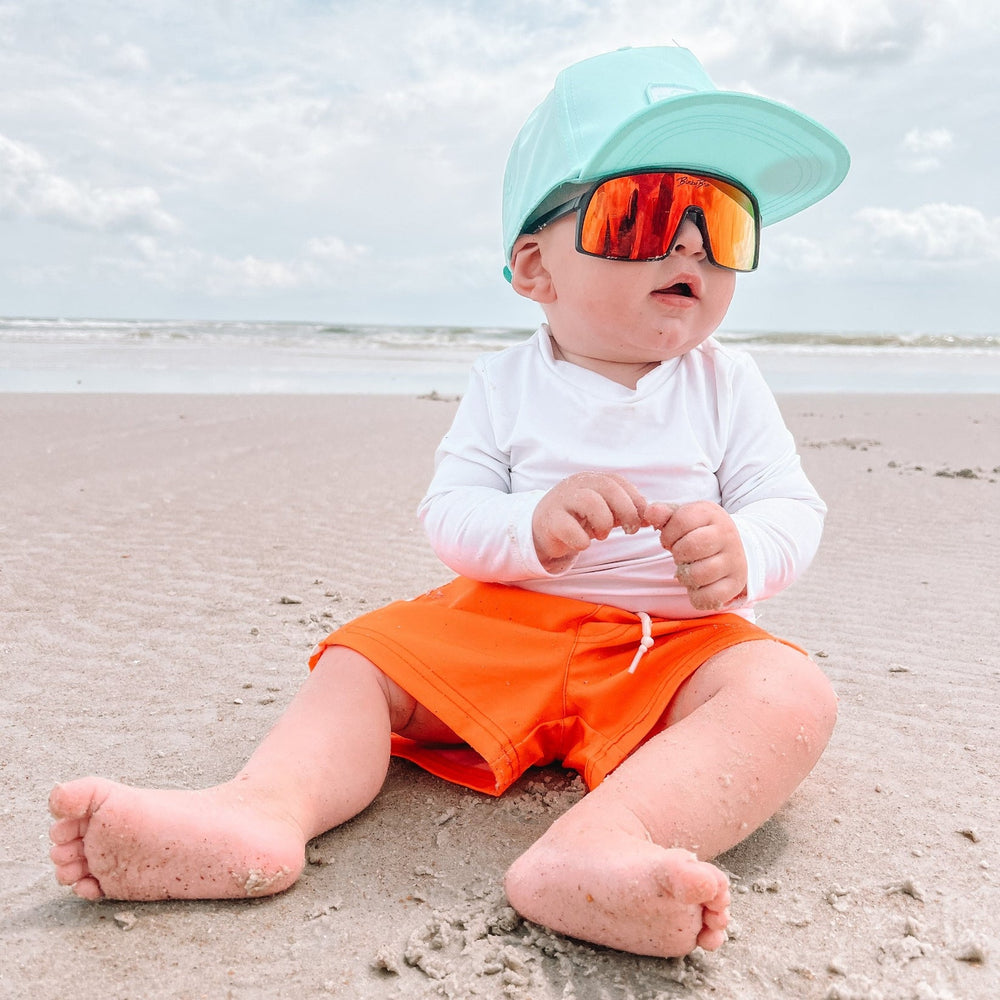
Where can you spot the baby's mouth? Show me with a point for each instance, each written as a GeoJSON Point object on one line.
{"type": "Point", "coordinates": [681, 288]}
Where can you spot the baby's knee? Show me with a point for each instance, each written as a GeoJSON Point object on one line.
{"type": "Point", "coordinates": [811, 699]}
{"type": "Point", "coordinates": [352, 670]}
{"type": "Point", "coordinates": [407, 716]}
{"type": "Point", "coordinates": [821, 693]}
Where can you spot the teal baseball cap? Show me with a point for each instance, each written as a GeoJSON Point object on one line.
{"type": "Point", "coordinates": [656, 107]}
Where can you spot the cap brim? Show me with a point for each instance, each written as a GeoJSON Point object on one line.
{"type": "Point", "coordinates": [787, 160]}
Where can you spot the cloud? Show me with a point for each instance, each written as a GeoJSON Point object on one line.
{"type": "Point", "coordinates": [934, 140]}
{"type": "Point", "coordinates": [935, 234]}
{"type": "Point", "coordinates": [834, 34]}
{"type": "Point", "coordinates": [30, 188]}
{"type": "Point", "coordinates": [801, 254]}
{"type": "Point", "coordinates": [129, 58]}
{"type": "Point", "coordinates": [326, 262]}
{"type": "Point", "coordinates": [922, 148]}
{"type": "Point", "coordinates": [249, 273]}
{"type": "Point", "coordinates": [333, 249]}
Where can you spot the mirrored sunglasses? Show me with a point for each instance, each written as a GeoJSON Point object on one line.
{"type": "Point", "coordinates": [636, 216]}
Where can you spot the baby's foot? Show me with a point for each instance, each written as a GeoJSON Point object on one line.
{"type": "Point", "coordinates": [610, 887]}
{"type": "Point", "coordinates": [111, 840]}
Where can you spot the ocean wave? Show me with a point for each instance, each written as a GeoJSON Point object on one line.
{"type": "Point", "coordinates": [462, 340]}
{"type": "Point", "coordinates": [847, 340]}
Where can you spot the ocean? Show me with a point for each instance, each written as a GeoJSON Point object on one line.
{"type": "Point", "coordinates": [168, 356]}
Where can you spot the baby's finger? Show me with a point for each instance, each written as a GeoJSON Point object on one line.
{"type": "Point", "coordinates": [696, 546]}
{"type": "Point", "coordinates": [703, 573]}
{"type": "Point", "coordinates": [566, 530]}
{"type": "Point", "coordinates": [592, 513]}
{"type": "Point", "coordinates": [709, 584]}
{"type": "Point", "coordinates": [686, 518]}
{"type": "Point", "coordinates": [626, 504]}
{"type": "Point", "coordinates": [657, 514]}
{"type": "Point", "coordinates": [713, 597]}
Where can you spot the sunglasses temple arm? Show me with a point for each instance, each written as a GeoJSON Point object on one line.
{"type": "Point", "coordinates": [567, 208]}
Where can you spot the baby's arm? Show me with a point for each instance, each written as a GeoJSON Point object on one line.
{"type": "Point", "coordinates": [476, 524]}
{"type": "Point", "coordinates": [766, 498]}
{"type": "Point", "coordinates": [767, 526]}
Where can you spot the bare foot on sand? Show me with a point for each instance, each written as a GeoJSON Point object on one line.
{"type": "Point", "coordinates": [114, 841]}
{"type": "Point", "coordinates": [611, 887]}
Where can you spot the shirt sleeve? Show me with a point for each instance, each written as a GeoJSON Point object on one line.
{"type": "Point", "coordinates": [777, 511]}
{"type": "Point", "coordinates": [476, 525]}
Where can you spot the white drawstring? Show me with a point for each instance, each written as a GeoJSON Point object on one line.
{"type": "Point", "coordinates": [646, 642]}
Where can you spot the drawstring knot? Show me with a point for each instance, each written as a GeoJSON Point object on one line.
{"type": "Point", "coordinates": [646, 642]}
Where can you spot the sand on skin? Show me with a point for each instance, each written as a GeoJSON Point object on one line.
{"type": "Point", "coordinates": [166, 564]}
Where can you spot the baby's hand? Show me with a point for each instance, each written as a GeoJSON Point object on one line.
{"type": "Point", "coordinates": [707, 549]}
{"type": "Point", "coordinates": [581, 508]}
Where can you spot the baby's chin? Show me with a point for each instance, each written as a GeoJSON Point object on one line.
{"type": "Point", "coordinates": [657, 357]}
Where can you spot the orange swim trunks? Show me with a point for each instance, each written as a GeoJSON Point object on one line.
{"type": "Point", "coordinates": [527, 679]}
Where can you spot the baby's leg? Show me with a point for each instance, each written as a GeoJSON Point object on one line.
{"type": "Point", "coordinates": [621, 868]}
{"type": "Point", "coordinates": [323, 762]}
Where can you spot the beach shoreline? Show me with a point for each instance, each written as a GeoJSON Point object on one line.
{"type": "Point", "coordinates": [167, 562]}
{"type": "Point", "coordinates": [229, 357]}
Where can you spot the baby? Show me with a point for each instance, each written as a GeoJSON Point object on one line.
{"type": "Point", "coordinates": [615, 495]}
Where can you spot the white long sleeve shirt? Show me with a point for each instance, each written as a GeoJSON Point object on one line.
{"type": "Point", "coordinates": [703, 426]}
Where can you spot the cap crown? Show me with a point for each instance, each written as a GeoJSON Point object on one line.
{"type": "Point", "coordinates": [657, 108]}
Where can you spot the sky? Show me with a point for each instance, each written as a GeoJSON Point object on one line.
{"type": "Point", "coordinates": [341, 162]}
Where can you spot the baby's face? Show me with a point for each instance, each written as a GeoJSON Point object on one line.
{"type": "Point", "coordinates": [633, 311]}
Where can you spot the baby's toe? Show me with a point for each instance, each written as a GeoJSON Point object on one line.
{"type": "Point", "coordinates": [67, 853]}
{"type": "Point", "coordinates": [697, 882]}
{"type": "Point", "coordinates": [722, 898]}
{"type": "Point", "coordinates": [62, 831]}
{"type": "Point", "coordinates": [716, 920]}
{"type": "Point", "coordinates": [88, 888]}
{"type": "Point", "coordinates": [711, 939]}
{"type": "Point", "coordinates": [72, 872]}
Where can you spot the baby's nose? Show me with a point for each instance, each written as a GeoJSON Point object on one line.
{"type": "Point", "coordinates": [688, 239]}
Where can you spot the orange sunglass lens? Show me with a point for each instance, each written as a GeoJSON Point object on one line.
{"type": "Point", "coordinates": [636, 217]}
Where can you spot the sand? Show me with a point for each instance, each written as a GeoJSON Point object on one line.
{"type": "Point", "coordinates": [168, 562]}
